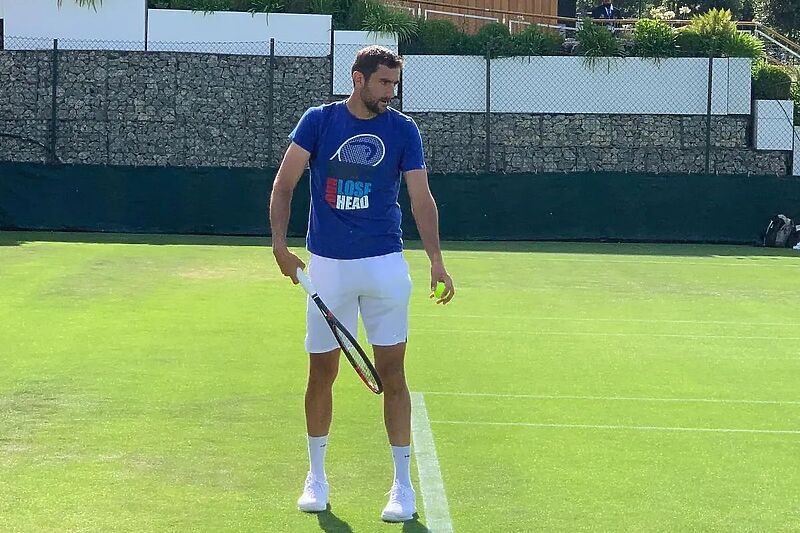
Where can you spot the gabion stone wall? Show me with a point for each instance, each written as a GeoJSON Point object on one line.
{"type": "Point", "coordinates": [188, 109]}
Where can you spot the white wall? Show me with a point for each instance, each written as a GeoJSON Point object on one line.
{"type": "Point", "coordinates": [566, 85]}
{"type": "Point", "coordinates": [118, 22]}
{"type": "Point", "coordinates": [346, 44]}
{"type": "Point", "coordinates": [444, 83]}
{"type": "Point", "coordinates": [226, 32]}
{"type": "Point", "coordinates": [796, 162]}
{"type": "Point", "coordinates": [238, 33]}
{"type": "Point", "coordinates": [300, 35]}
{"type": "Point", "coordinates": [739, 85]}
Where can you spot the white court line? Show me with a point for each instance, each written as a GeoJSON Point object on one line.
{"type": "Point", "coordinates": [788, 263]}
{"type": "Point", "coordinates": [599, 319]}
{"type": "Point", "coordinates": [605, 334]}
{"type": "Point", "coordinates": [437, 515]}
{"type": "Point", "coordinates": [610, 398]}
{"type": "Point", "coordinates": [635, 428]}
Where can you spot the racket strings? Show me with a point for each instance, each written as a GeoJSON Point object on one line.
{"type": "Point", "coordinates": [362, 365]}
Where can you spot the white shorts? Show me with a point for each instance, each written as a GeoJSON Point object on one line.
{"type": "Point", "coordinates": [379, 287]}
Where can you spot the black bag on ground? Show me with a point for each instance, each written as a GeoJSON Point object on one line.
{"type": "Point", "coordinates": [781, 232]}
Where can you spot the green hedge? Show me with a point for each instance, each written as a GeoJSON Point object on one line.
{"type": "Point", "coordinates": [771, 82]}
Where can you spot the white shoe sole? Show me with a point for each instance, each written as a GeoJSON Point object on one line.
{"type": "Point", "coordinates": [394, 518]}
{"type": "Point", "coordinates": [312, 508]}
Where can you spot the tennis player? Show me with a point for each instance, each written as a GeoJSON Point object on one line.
{"type": "Point", "coordinates": [357, 150]}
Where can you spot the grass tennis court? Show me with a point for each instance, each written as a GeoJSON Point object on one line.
{"type": "Point", "coordinates": [155, 383]}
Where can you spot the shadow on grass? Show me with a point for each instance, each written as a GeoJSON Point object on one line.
{"type": "Point", "coordinates": [414, 526]}
{"type": "Point", "coordinates": [330, 523]}
{"type": "Point", "coordinates": [16, 238]}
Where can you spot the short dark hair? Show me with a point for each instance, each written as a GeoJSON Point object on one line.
{"type": "Point", "coordinates": [368, 59]}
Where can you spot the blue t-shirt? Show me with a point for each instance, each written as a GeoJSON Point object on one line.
{"type": "Point", "coordinates": [356, 167]}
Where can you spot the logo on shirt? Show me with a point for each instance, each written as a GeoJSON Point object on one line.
{"type": "Point", "coordinates": [363, 150]}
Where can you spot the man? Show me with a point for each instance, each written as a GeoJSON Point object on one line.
{"type": "Point", "coordinates": [357, 150]}
{"type": "Point", "coordinates": [606, 11]}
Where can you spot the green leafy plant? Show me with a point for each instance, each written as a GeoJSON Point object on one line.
{"type": "Point", "coordinates": [795, 95]}
{"type": "Point", "coordinates": [380, 18]}
{"type": "Point", "coordinates": [654, 38]}
{"type": "Point", "coordinates": [211, 6]}
{"type": "Point", "coordinates": [771, 82]}
{"type": "Point", "coordinates": [715, 33]}
{"type": "Point", "coordinates": [533, 41]}
{"type": "Point", "coordinates": [435, 37]}
{"type": "Point", "coordinates": [494, 38]}
{"type": "Point", "coordinates": [596, 42]}
{"type": "Point", "coordinates": [742, 45]}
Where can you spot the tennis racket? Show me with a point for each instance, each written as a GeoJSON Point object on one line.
{"type": "Point", "coordinates": [354, 353]}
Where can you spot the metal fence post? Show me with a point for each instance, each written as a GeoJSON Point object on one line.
{"type": "Point", "coordinates": [330, 57]}
{"type": "Point", "coordinates": [54, 105]}
{"type": "Point", "coordinates": [708, 109]}
{"type": "Point", "coordinates": [488, 114]}
{"type": "Point", "coordinates": [271, 101]}
{"type": "Point", "coordinates": [400, 92]}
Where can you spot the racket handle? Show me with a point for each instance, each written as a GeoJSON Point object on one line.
{"type": "Point", "coordinates": [305, 282]}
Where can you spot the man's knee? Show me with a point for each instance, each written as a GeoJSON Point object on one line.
{"type": "Point", "coordinates": [323, 369]}
{"type": "Point", "coordinates": [392, 372]}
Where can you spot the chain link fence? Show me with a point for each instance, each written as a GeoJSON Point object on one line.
{"type": "Point", "coordinates": [233, 104]}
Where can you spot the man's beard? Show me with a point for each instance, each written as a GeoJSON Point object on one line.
{"type": "Point", "coordinates": [373, 106]}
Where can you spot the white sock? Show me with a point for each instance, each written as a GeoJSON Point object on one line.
{"type": "Point", "coordinates": [402, 465]}
{"type": "Point", "coordinates": [316, 456]}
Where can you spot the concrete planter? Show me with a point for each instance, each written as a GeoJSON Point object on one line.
{"type": "Point", "coordinates": [568, 85]}
{"type": "Point", "coordinates": [796, 159]}
{"type": "Point", "coordinates": [773, 127]}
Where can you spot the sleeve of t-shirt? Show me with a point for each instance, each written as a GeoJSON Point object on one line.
{"type": "Point", "coordinates": [413, 156]}
{"type": "Point", "coordinates": [306, 133]}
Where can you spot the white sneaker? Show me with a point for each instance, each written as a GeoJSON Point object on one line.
{"type": "Point", "coordinates": [402, 504]}
{"type": "Point", "coordinates": [315, 495]}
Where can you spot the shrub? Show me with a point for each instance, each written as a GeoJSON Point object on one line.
{"type": "Point", "coordinates": [742, 45]}
{"type": "Point", "coordinates": [434, 37]}
{"type": "Point", "coordinates": [796, 98]}
{"type": "Point", "coordinates": [495, 38]}
{"type": "Point", "coordinates": [597, 41]}
{"type": "Point", "coordinates": [534, 41]}
{"type": "Point", "coordinates": [715, 33]}
{"type": "Point", "coordinates": [380, 18]}
{"type": "Point", "coordinates": [654, 38]}
{"type": "Point", "coordinates": [771, 82]}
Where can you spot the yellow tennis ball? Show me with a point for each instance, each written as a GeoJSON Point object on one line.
{"type": "Point", "coordinates": [439, 290]}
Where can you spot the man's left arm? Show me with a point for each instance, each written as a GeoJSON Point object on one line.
{"type": "Point", "coordinates": [426, 216]}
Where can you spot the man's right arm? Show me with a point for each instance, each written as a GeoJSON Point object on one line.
{"type": "Point", "coordinates": [294, 163]}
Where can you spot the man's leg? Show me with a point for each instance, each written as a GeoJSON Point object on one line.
{"type": "Point", "coordinates": [389, 362]}
{"type": "Point", "coordinates": [322, 371]}
{"type": "Point", "coordinates": [384, 309]}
